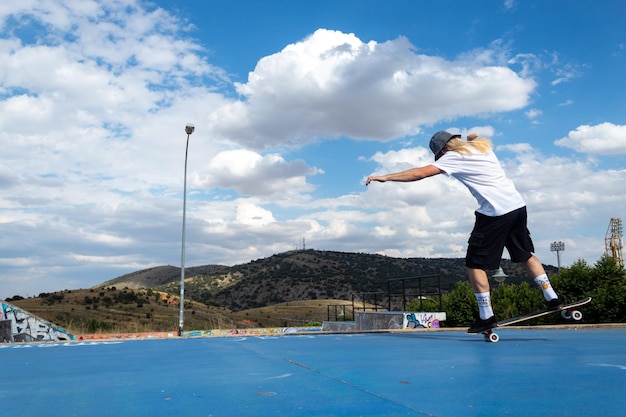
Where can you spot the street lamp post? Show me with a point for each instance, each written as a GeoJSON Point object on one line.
{"type": "Point", "coordinates": [189, 130]}
{"type": "Point", "coordinates": [557, 247]}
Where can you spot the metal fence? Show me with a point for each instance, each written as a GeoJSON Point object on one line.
{"type": "Point", "coordinates": [400, 291]}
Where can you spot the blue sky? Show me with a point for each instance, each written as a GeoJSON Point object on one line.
{"type": "Point", "coordinates": [295, 103]}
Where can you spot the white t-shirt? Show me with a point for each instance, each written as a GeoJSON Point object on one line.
{"type": "Point", "coordinates": [483, 175]}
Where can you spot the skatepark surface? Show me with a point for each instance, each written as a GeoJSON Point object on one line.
{"type": "Point", "coordinates": [529, 372]}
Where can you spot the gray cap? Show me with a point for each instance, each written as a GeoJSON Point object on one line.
{"type": "Point", "coordinates": [439, 140]}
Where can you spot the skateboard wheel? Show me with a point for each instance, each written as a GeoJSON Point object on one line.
{"type": "Point", "coordinates": [577, 315]}
{"type": "Point", "coordinates": [493, 337]}
{"type": "Point", "coordinates": [566, 314]}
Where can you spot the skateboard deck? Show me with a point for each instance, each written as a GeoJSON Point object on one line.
{"type": "Point", "coordinates": [568, 311]}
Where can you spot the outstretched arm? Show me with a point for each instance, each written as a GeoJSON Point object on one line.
{"type": "Point", "coordinates": [413, 174]}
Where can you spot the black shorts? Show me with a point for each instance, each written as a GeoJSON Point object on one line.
{"type": "Point", "coordinates": [492, 234]}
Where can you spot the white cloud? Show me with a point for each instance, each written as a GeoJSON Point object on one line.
{"type": "Point", "coordinates": [533, 113]}
{"type": "Point", "coordinates": [250, 173]}
{"type": "Point", "coordinates": [603, 139]}
{"type": "Point", "coordinates": [520, 148]}
{"type": "Point", "coordinates": [566, 73]}
{"type": "Point", "coordinates": [253, 215]}
{"type": "Point", "coordinates": [510, 4]}
{"type": "Point", "coordinates": [332, 84]}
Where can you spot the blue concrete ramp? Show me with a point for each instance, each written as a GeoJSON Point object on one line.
{"type": "Point", "coordinates": [425, 373]}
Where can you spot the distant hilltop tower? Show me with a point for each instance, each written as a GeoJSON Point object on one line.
{"type": "Point", "coordinates": [613, 241]}
{"type": "Point", "coordinates": [303, 244]}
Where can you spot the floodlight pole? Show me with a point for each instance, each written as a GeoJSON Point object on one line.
{"type": "Point", "coordinates": [189, 130]}
{"type": "Point", "coordinates": [557, 247]}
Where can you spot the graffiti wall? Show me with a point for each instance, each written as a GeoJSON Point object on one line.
{"type": "Point", "coordinates": [377, 320]}
{"type": "Point", "coordinates": [26, 327]}
{"type": "Point", "coordinates": [423, 320]}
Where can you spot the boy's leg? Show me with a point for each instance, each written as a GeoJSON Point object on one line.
{"type": "Point", "coordinates": [535, 270]}
{"type": "Point", "coordinates": [521, 248]}
{"type": "Point", "coordinates": [478, 279]}
{"type": "Point", "coordinates": [533, 266]}
{"type": "Point", "coordinates": [484, 252]}
{"type": "Point", "coordinates": [480, 284]}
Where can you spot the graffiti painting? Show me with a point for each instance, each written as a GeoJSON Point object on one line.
{"type": "Point", "coordinates": [26, 327]}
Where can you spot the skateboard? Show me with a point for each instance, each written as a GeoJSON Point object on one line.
{"type": "Point", "coordinates": [568, 311]}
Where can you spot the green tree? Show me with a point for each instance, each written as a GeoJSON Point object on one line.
{"type": "Point", "coordinates": [609, 291]}
{"type": "Point", "coordinates": [460, 305]}
{"type": "Point", "coordinates": [514, 300]}
{"type": "Point", "coordinates": [605, 283]}
{"type": "Point", "coordinates": [575, 282]}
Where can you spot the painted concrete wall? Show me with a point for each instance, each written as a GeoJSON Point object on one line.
{"type": "Point", "coordinates": [424, 320]}
{"type": "Point", "coordinates": [377, 320]}
{"type": "Point", "coordinates": [262, 331]}
{"type": "Point", "coordinates": [26, 327]}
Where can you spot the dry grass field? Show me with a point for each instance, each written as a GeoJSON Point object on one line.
{"type": "Point", "coordinates": [299, 313]}
{"type": "Point", "coordinates": [109, 310]}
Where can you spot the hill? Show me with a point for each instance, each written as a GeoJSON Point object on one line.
{"type": "Point", "coordinates": [303, 275]}
{"type": "Point", "coordinates": [153, 277]}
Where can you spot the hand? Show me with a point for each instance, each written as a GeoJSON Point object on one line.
{"type": "Point", "coordinates": [374, 178]}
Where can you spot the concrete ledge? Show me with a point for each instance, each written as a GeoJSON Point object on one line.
{"type": "Point", "coordinates": [338, 326]}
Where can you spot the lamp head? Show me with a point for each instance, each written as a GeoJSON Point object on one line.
{"type": "Point", "coordinates": [499, 275]}
{"type": "Point", "coordinates": [189, 128]}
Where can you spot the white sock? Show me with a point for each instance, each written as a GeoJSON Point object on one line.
{"type": "Point", "coordinates": [544, 283]}
{"type": "Point", "coordinates": [484, 305]}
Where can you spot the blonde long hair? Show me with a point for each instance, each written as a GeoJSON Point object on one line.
{"type": "Point", "coordinates": [480, 144]}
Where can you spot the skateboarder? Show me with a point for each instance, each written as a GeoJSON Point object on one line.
{"type": "Point", "coordinates": [500, 218]}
